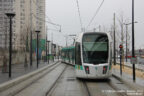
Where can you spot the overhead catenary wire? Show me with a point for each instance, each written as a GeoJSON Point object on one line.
{"type": "Point", "coordinates": [41, 19]}
{"type": "Point", "coordinates": [79, 14]}
{"type": "Point", "coordinates": [95, 14]}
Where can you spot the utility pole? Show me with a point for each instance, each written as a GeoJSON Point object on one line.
{"type": "Point", "coordinates": [122, 40]}
{"type": "Point", "coordinates": [133, 44]}
{"type": "Point", "coordinates": [121, 51]}
{"type": "Point", "coordinates": [37, 46]}
{"type": "Point", "coordinates": [52, 47]}
{"type": "Point", "coordinates": [46, 45]}
{"type": "Point", "coordinates": [58, 52]}
{"type": "Point", "coordinates": [94, 29]}
{"type": "Point", "coordinates": [48, 52]}
{"type": "Point", "coordinates": [31, 33]}
{"type": "Point", "coordinates": [114, 43]}
{"type": "Point", "coordinates": [99, 28]}
{"type": "Point", "coordinates": [66, 40]}
{"type": "Point", "coordinates": [126, 40]}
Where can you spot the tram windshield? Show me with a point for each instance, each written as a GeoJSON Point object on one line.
{"type": "Point", "coordinates": [95, 48]}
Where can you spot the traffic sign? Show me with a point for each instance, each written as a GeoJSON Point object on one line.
{"type": "Point", "coordinates": [133, 60]}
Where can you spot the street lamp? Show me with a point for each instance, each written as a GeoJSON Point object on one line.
{"type": "Point", "coordinates": [53, 50]}
{"type": "Point", "coordinates": [10, 16]}
{"type": "Point", "coordinates": [114, 42]}
{"type": "Point", "coordinates": [37, 46]}
{"type": "Point", "coordinates": [46, 48]}
{"type": "Point", "coordinates": [66, 37]}
{"type": "Point", "coordinates": [60, 29]}
{"type": "Point", "coordinates": [58, 52]}
{"type": "Point", "coordinates": [31, 37]}
{"type": "Point", "coordinates": [48, 51]}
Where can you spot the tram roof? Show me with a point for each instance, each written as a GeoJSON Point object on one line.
{"type": "Point", "coordinates": [79, 36]}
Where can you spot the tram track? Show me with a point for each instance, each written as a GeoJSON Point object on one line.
{"type": "Point", "coordinates": [96, 87]}
{"type": "Point", "coordinates": [118, 91]}
{"type": "Point", "coordinates": [18, 88]}
{"type": "Point", "coordinates": [65, 84]}
{"type": "Point", "coordinates": [86, 88]}
{"type": "Point", "coordinates": [43, 82]}
{"type": "Point", "coordinates": [108, 87]}
{"type": "Point", "coordinates": [52, 68]}
{"type": "Point", "coordinates": [54, 84]}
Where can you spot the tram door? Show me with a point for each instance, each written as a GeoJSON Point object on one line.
{"type": "Point", "coordinates": [78, 64]}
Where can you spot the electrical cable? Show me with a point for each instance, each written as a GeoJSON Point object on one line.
{"type": "Point", "coordinates": [45, 20]}
{"type": "Point", "coordinates": [95, 14]}
{"type": "Point", "coordinates": [79, 14]}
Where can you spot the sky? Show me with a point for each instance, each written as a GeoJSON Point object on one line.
{"type": "Point", "coordinates": [65, 13]}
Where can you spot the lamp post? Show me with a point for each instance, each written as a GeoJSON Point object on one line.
{"type": "Point", "coordinates": [114, 42]}
{"type": "Point", "coordinates": [126, 40]}
{"type": "Point", "coordinates": [46, 48]}
{"type": "Point", "coordinates": [48, 51]}
{"type": "Point", "coordinates": [10, 16]}
{"type": "Point", "coordinates": [31, 34]}
{"type": "Point", "coordinates": [133, 44]}
{"type": "Point", "coordinates": [52, 46]}
{"type": "Point", "coordinates": [53, 51]}
{"type": "Point", "coordinates": [58, 52]}
{"type": "Point", "coordinates": [37, 46]}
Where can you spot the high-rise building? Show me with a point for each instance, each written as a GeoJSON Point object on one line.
{"type": "Point", "coordinates": [5, 7]}
{"type": "Point", "coordinates": [30, 15]}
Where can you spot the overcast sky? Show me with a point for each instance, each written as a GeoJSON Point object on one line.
{"type": "Point", "coordinates": [65, 13]}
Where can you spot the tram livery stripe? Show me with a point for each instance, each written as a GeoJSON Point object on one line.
{"type": "Point", "coordinates": [79, 67]}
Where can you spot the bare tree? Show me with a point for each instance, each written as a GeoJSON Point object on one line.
{"type": "Point", "coordinates": [25, 39]}
{"type": "Point", "coordinates": [121, 22]}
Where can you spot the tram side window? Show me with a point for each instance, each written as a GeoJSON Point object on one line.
{"type": "Point", "coordinates": [77, 54]}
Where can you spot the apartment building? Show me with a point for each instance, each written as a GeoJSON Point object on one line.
{"type": "Point", "coordinates": [30, 15]}
{"type": "Point", "coordinates": [5, 7]}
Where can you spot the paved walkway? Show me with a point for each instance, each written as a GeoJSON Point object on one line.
{"type": "Point", "coordinates": [19, 70]}
{"type": "Point", "coordinates": [127, 74]}
{"type": "Point", "coordinates": [139, 66]}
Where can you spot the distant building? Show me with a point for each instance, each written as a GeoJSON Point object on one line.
{"type": "Point", "coordinates": [5, 7]}
{"type": "Point", "coordinates": [30, 15]}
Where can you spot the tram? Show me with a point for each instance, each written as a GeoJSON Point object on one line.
{"type": "Point", "coordinates": [68, 55]}
{"type": "Point", "coordinates": [93, 55]}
